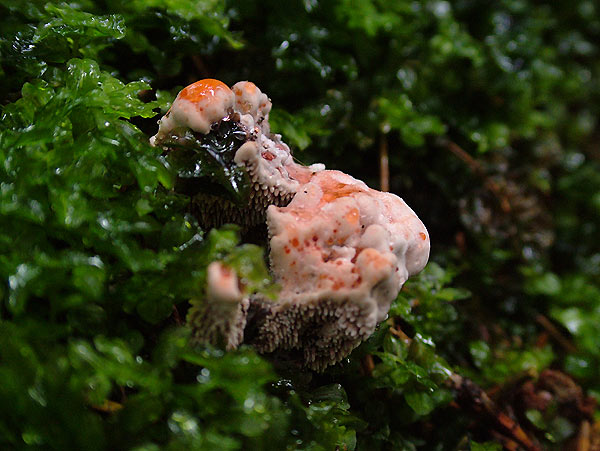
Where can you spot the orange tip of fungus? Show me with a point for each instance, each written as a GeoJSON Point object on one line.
{"type": "Point", "coordinates": [203, 90]}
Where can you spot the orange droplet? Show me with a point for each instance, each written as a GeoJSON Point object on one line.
{"type": "Point", "coordinates": [203, 90]}
{"type": "Point", "coordinates": [353, 217]}
{"type": "Point", "coordinates": [423, 236]}
{"type": "Point", "coordinates": [337, 285]}
{"type": "Point", "coordinates": [268, 156]}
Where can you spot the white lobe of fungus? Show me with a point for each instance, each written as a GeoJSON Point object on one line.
{"type": "Point", "coordinates": [196, 107]}
{"type": "Point", "coordinates": [222, 285]}
{"type": "Point", "coordinates": [222, 314]}
{"type": "Point", "coordinates": [267, 159]}
{"type": "Point", "coordinates": [339, 250]}
{"type": "Point", "coordinates": [346, 241]}
{"type": "Point", "coordinates": [252, 105]}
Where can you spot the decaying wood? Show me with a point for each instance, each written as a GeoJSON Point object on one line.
{"type": "Point", "coordinates": [473, 398]}
{"type": "Point", "coordinates": [555, 389]}
{"type": "Point", "coordinates": [555, 333]}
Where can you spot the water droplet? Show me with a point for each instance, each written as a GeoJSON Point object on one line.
{"type": "Point", "coordinates": [249, 403]}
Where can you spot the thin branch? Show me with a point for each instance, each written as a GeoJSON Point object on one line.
{"type": "Point", "coordinates": [471, 396]}
{"type": "Point", "coordinates": [555, 333]}
{"type": "Point", "coordinates": [400, 334]}
{"type": "Point", "coordinates": [478, 169]}
{"type": "Point", "coordinates": [473, 164]}
{"type": "Point", "coordinates": [384, 164]}
{"type": "Point", "coordinates": [583, 438]}
{"type": "Point", "coordinates": [368, 365]}
{"type": "Point", "coordinates": [474, 398]}
{"type": "Point", "coordinates": [107, 406]}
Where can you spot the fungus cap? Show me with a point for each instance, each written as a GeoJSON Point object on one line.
{"type": "Point", "coordinates": [318, 240]}
{"type": "Point", "coordinates": [196, 107]}
{"type": "Point", "coordinates": [252, 104]}
{"type": "Point", "coordinates": [341, 252]}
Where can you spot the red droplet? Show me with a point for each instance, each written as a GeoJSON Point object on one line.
{"type": "Point", "coordinates": [268, 156]}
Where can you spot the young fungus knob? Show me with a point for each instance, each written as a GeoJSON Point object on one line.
{"type": "Point", "coordinates": [196, 107]}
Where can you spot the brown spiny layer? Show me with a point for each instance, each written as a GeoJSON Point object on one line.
{"type": "Point", "coordinates": [214, 211]}
{"type": "Point", "coordinates": [323, 332]}
{"type": "Point", "coordinates": [218, 324]}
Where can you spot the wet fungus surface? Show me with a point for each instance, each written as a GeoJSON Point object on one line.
{"type": "Point", "coordinates": [339, 250]}
{"type": "Point", "coordinates": [211, 132]}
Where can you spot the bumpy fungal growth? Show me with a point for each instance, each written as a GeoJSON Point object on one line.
{"type": "Point", "coordinates": [223, 312]}
{"type": "Point", "coordinates": [196, 107]}
{"type": "Point", "coordinates": [340, 250]}
{"type": "Point", "coordinates": [202, 109]}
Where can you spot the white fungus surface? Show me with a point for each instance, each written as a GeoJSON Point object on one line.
{"type": "Point", "coordinates": [196, 107]}
{"type": "Point", "coordinates": [222, 284]}
{"type": "Point", "coordinates": [222, 314]}
{"type": "Point", "coordinates": [340, 240]}
{"type": "Point", "coordinates": [267, 159]}
{"type": "Point", "coordinates": [341, 252]}
{"type": "Point", "coordinates": [252, 105]}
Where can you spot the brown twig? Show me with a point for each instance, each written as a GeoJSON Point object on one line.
{"type": "Point", "coordinates": [478, 169]}
{"type": "Point", "coordinates": [107, 406]}
{"type": "Point", "coordinates": [471, 396]}
{"type": "Point", "coordinates": [507, 443]}
{"type": "Point", "coordinates": [595, 436]}
{"type": "Point", "coordinates": [583, 438]}
{"type": "Point", "coordinates": [473, 164]}
{"type": "Point", "coordinates": [384, 165]}
{"type": "Point", "coordinates": [400, 334]}
{"type": "Point", "coordinates": [177, 317]}
{"type": "Point", "coordinates": [368, 365]}
{"type": "Point", "coordinates": [553, 331]}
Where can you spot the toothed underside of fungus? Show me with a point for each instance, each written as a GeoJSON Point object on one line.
{"type": "Point", "coordinates": [224, 309]}
{"type": "Point", "coordinates": [339, 250]}
{"type": "Point", "coordinates": [268, 162]}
